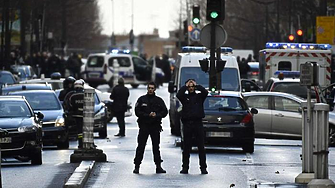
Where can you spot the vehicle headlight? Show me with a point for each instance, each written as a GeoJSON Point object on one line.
{"type": "Point", "coordinates": [100, 114]}
{"type": "Point", "coordinates": [60, 121]}
{"type": "Point", "coordinates": [27, 129]}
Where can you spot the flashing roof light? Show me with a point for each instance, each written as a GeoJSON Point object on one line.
{"type": "Point", "coordinates": [226, 50]}
{"type": "Point", "coordinates": [287, 74]}
{"type": "Point", "coordinates": [118, 51]}
{"type": "Point", "coordinates": [199, 49]}
{"type": "Point", "coordinates": [307, 46]}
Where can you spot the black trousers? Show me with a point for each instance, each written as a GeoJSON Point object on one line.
{"type": "Point", "coordinates": [142, 138]}
{"type": "Point", "coordinates": [196, 129]}
{"type": "Point", "coordinates": [121, 122]}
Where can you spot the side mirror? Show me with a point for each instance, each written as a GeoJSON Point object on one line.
{"type": "Point", "coordinates": [172, 88]}
{"type": "Point", "coordinates": [39, 115]}
{"type": "Point", "coordinates": [254, 111]}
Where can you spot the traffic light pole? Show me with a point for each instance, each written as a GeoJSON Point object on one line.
{"type": "Point", "coordinates": [212, 72]}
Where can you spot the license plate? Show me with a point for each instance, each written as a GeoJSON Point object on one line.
{"type": "Point", "coordinates": [219, 134]}
{"type": "Point", "coordinates": [6, 140]}
{"type": "Point", "coordinates": [94, 75]}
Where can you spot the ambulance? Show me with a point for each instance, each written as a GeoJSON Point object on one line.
{"type": "Point", "coordinates": [187, 67]}
{"type": "Point", "coordinates": [289, 56]}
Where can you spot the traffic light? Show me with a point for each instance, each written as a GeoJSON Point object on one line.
{"type": "Point", "coordinates": [196, 15]}
{"type": "Point", "coordinates": [291, 38]}
{"type": "Point", "coordinates": [215, 10]}
{"type": "Point", "coordinates": [300, 35]}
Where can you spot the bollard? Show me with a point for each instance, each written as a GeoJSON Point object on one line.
{"type": "Point", "coordinates": [116, 68]}
{"type": "Point", "coordinates": [307, 146]}
{"type": "Point", "coordinates": [88, 136]}
{"type": "Point", "coordinates": [321, 139]}
{"type": "Point", "coordinates": [89, 151]}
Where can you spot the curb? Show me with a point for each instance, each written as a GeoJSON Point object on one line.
{"type": "Point", "coordinates": [80, 175]}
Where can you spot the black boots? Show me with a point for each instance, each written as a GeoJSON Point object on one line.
{"type": "Point", "coordinates": [184, 171]}
{"type": "Point", "coordinates": [137, 169]}
{"type": "Point", "coordinates": [159, 169]}
{"type": "Point", "coordinates": [203, 171]}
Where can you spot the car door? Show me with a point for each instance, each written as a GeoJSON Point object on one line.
{"type": "Point", "coordinates": [286, 118]}
{"type": "Point", "coordinates": [142, 70]}
{"type": "Point", "coordinates": [125, 68]}
{"type": "Point", "coordinates": [263, 118]}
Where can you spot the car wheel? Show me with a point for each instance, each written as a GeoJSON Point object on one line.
{"type": "Point", "coordinates": [36, 158]}
{"type": "Point", "coordinates": [248, 148]}
{"type": "Point", "coordinates": [331, 135]}
{"type": "Point", "coordinates": [134, 85]}
{"type": "Point", "coordinates": [64, 145]}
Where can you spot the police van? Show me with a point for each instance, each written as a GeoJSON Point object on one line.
{"type": "Point", "coordinates": [187, 67]}
{"type": "Point", "coordinates": [101, 68]}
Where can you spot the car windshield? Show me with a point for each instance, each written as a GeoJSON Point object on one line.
{"type": "Point", "coordinates": [14, 109]}
{"type": "Point", "coordinates": [224, 104]}
{"type": "Point", "coordinates": [229, 78]}
{"type": "Point", "coordinates": [293, 88]}
{"type": "Point", "coordinates": [6, 79]}
{"type": "Point", "coordinates": [41, 101]}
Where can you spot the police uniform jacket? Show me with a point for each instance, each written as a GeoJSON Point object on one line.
{"type": "Point", "coordinates": [193, 108]}
{"type": "Point", "coordinates": [76, 103]}
{"type": "Point", "coordinates": [120, 96]}
{"type": "Point", "coordinates": [147, 104]}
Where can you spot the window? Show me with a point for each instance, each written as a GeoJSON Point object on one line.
{"type": "Point", "coordinates": [285, 66]}
{"type": "Point", "coordinates": [138, 62]}
{"type": "Point", "coordinates": [261, 102]}
{"type": "Point", "coordinates": [224, 103]}
{"type": "Point", "coordinates": [95, 61]}
{"type": "Point", "coordinates": [285, 104]}
{"type": "Point", "coordinates": [123, 61]}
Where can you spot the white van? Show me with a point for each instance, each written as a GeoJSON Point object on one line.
{"type": "Point", "coordinates": [187, 67]}
{"type": "Point", "coordinates": [135, 70]}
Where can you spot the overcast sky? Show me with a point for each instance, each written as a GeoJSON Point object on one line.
{"type": "Point", "coordinates": [148, 14]}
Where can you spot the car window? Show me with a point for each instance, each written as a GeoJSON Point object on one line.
{"type": "Point", "coordinates": [293, 88]}
{"type": "Point", "coordinates": [138, 62]}
{"type": "Point", "coordinates": [6, 79]}
{"type": "Point", "coordinates": [95, 61]}
{"type": "Point", "coordinates": [41, 101]}
{"type": "Point", "coordinates": [14, 109]}
{"type": "Point", "coordinates": [285, 104]}
{"type": "Point", "coordinates": [261, 102]}
{"type": "Point", "coordinates": [285, 66]}
{"type": "Point", "coordinates": [219, 103]}
{"type": "Point", "coordinates": [123, 61]}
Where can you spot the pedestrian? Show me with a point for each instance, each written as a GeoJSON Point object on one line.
{"type": "Point", "coordinates": [120, 95]}
{"type": "Point", "coordinates": [150, 109]}
{"type": "Point", "coordinates": [74, 106]}
{"type": "Point", "coordinates": [191, 117]}
{"type": "Point", "coordinates": [166, 68]}
{"type": "Point", "coordinates": [68, 86]}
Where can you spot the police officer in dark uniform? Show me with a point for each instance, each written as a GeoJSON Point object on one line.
{"type": "Point", "coordinates": [120, 96]}
{"type": "Point", "coordinates": [68, 85]}
{"type": "Point", "coordinates": [150, 109]}
{"type": "Point", "coordinates": [191, 116]}
{"type": "Point", "coordinates": [75, 105]}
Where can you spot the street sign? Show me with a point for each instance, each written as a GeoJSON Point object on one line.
{"type": "Point", "coordinates": [220, 36]}
{"type": "Point", "coordinates": [195, 34]}
{"type": "Point", "coordinates": [309, 74]}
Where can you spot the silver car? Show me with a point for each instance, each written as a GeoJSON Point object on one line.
{"type": "Point", "coordinates": [279, 115]}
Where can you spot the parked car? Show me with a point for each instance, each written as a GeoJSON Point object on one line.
{"type": "Point", "coordinates": [279, 115]}
{"type": "Point", "coordinates": [54, 130]}
{"type": "Point", "coordinates": [7, 77]}
{"type": "Point", "coordinates": [228, 121]}
{"type": "Point", "coordinates": [25, 72]}
{"type": "Point", "coordinates": [100, 116]}
{"type": "Point", "coordinates": [55, 81]}
{"type": "Point", "coordinates": [23, 140]}
{"type": "Point", "coordinates": [254, 71]}
{"type": "Point", "coordinates": [19, 87]}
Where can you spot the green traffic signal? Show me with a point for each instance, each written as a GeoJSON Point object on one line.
{"type": "Point", "coordinates": [214, 14]}
{"type": "Point", "coordinates": [196, 20]}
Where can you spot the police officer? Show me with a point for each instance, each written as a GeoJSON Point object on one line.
{"type": "Point", "coordinates": [75, 105]}
{"type": "Point", "coordinates": [191, 116]}
{"type": "Point", "coordinates": [120, 96]}
{"type": "Point", "coordinates": [67, 87]}
{"type": "Point", "coordinates": [150, 109]}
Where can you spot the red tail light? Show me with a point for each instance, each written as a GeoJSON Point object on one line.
{"type": "Point", "coordinates": [254, 73]}
{"type": "Point", "coordinates": [105, 69]}
{"type": "Point", "coordinates": [247, 118]}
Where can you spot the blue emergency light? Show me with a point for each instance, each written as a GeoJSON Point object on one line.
{"type": "Point", "coordinates": [226, 50]}
{"type": "Point", "coordinates": [119, 51]}
{"type": "Point", "coordinates": [288, 74]}
{"type": "Point", "coordinates": [199, 49]}
{"type": "Point", "coordinates": [302, 46]}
